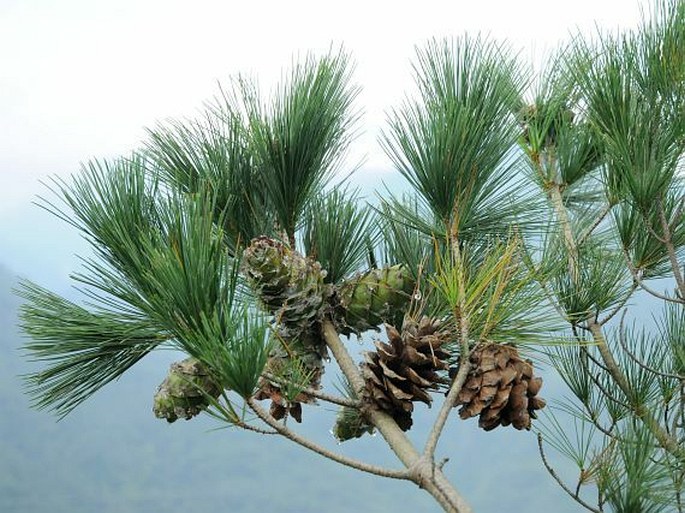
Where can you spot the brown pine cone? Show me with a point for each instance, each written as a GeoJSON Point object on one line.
{"type": "Point", "coordinates": [500, 388]}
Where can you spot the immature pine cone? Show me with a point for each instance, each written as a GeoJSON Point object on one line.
{"type": "Point", "coordinates": [185, 392]}
{"type": "Point", "coordinates": [372, 298]}
{"type": "Point", "coordinates": [290, 287]}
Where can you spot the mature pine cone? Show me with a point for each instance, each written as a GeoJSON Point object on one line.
{"type": "Point", "coordinates": [185, 392]}
{"type": "Point", "coordinates": [404, 370]}
{"type": "Point", "coordinates": [500, 388]}
{"type": "Point", "coordinates": [291, 287]}
{"type": "Point", "coordinates": [374, 297]}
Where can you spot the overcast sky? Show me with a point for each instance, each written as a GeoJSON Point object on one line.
{"type": "Point", "coordinates": [82, 78]}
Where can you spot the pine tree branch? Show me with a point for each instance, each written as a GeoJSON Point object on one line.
{"type": "Point", "coordinates": [586, 234]}
{"type": "Point", "coordinates": [637, 278]}
{"type": "Point", "coordinates": [618, 307]}
{"type": "Point", "coordinates": [227, 413]}
{"type": "Point", "coordinates": [667, 442]}
{"type": "Point", "coordinates": [347, 365]}
{"type": "Point", "coordinates": [653, 232]}
{"type": "Point", "coordinates": [254, 429]}
{"type": "Point", "coordinates": [552, 473]}
{"type": "Point", "coordinates": [632, 356]}
{"type": "Point", "coordinates": [334, 399]}
{"type": "Point", "coordinates": [460, 378]}
{"type": "Point", "coordinates": [423, 472]}
{"type": "Point", "coordinates": [680, 412]}
{"type": "Point", "coordinates": [348, 462]}
{"type": "Point", "coordinates": [554, 193]}
{"type": "Point", "coordinates": [608, 395]}
{"type": "Point", "coordinates": [606, 431]}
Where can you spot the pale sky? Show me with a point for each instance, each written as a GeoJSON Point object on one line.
{"type": "Point", "coordinates": [81, 78]}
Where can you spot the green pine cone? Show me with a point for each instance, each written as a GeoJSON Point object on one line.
{"type": "Point", "coordinates": [377, 296]}
{"type": "Point", "coordinates": [306, 371]}
{"type": "Point", "coordinates": [266, 263]}
{"type": "Point", "coordinates": [289, 285]}
{"type": "Point", "coordinates": [184, 392]}
{"type": "Point", "coordinates": [292, 288]}
{"type": "Point", "coordinates": [349, 424]}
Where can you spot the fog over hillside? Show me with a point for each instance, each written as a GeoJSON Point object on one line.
{"type": "Point", "coordinates": [112, 455]}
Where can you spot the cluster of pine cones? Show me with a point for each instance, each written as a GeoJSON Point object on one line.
{"type": "Point", "coordinates": [500, 388]}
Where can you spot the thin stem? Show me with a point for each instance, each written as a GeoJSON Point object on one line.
{"type": "Point", "coordinates": [668, 241]}
{"type": "Point", "coordinates": [594, 225]}
{"type": "Point", "coordinates": [637, 278]}
{"type": "Point", "coordinates": [464, 366]}
{"type": "Point", "coordinates": [595, 361]}
{"type": "Point", "coordinates": [447, 405]}
{"type": "Point", "coordinates": [666, 419]}
{"type": "Point", "coordinates": [682, 404]}
{"type": "Point", "coordinates": [606, 431]}
{"type": "Point", "coordinates": [579, 483]}
{"type": "Point", "coordinates": [552, 473]}
{"type": "Point", "coordinates": [609, 396]}
{"type": "Point", "coordinates": [618, 308]}
{"type": "Point", "coordinates": [624, 345]}
{"type": "Point", "coordinates": [680, 411]}
{"type": "Point", "coordinates": [349, 462]}
{"type": "Point", "coordinates": [249, 427]}
{"type": "Point", "coordinates": [334, 399]}
{"type": "Point", "coordinates": [227, 413]}
{"type": "Point", "coordinates": [231, 418]}
{"type": "Point", "coordinates": [656, 294]}
{"type": "Point", "coordinates": [653, 233]}
{"type": "Point", "coordinates": [554, 192]}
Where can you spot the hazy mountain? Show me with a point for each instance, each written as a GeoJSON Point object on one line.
{"type": "Point", "coordinates": [112, 455]}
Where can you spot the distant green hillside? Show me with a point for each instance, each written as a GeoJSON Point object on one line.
{"type": "Point", "coordinates": [111, 455]}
